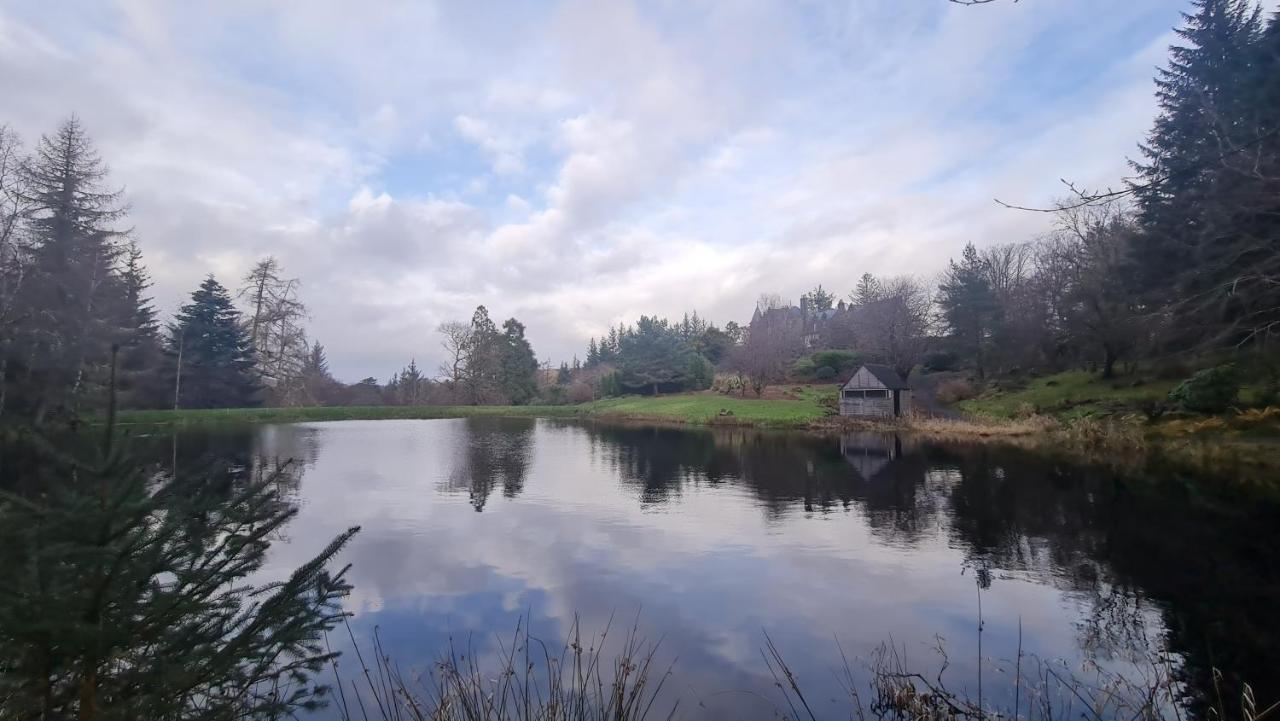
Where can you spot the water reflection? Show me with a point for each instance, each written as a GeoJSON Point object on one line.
{"type": "Point", "coordinates": [491, 453]}
{"type": "Point", "coordinates": [717, 534]}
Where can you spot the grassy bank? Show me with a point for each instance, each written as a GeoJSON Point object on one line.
{"type": "Point", "coordinates": [793, 407]}
{"type": "Point", "coordinates": [334, 413]}
{"type": "Point", "coordinates": [1070, 395]}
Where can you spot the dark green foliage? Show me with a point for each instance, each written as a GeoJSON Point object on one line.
{"type": "Point", "coordinates": [838, 361]}
{"type": "Point", "coordinates": [141, 355]}
{"type": "Point", "coordinates": [563, 375]}
{"type": "Point", "coordinates": [969, 306]}
{"type": "Point", "coordinates": [819, 299]}
{"type": "Point", "coordinates": [824, 373]}
{"type": "Point", "coordinates": [1211, 181]}
{"type": "Point", "coordinates": [518, 367]}
{"type": "Point", "coordinates": [701, 372]}
{"type": "Point", "coordinates": [941, 360]}
{"type": "Point", "coordinates": [1211, 390]}
{"type": "Point", "coordinates": [714, 345]}
{"type": "Point", "coordinates": [71, 299]}
{"type": "Point", "coordinates": [127, 594]}
{"type": "Point", "coordinates": [610, 385]}
{"type": "Point", "coordinates": [210, 352]}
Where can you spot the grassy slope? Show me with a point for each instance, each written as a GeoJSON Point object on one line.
{"type": "Point", "coordinates": [1070, 395]}
{"type": "Point", "coordinates": [707, 408]}
{"type": "Point", "coordinates": [693, 408]}
{"type": "Point", "coordinates": [339, 413]}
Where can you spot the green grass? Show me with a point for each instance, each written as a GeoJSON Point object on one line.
{"type": "Point", "coordinates": [692, 408]}
{"type": "Point", "coordinates": [714, 408]}
{"type": "Point", "coordinates": [1070, 395]}
{"type": "Point", "coordinates": [335, 413]}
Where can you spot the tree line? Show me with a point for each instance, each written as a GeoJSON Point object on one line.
{"type": "Point", "coordinates": [77, 323]}
{"type": "Point", "coordinates": [1181, 265]}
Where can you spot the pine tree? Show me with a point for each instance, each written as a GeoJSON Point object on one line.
{"type": "Point", "coordinates": [868, 290]}
{"type": "Point", "coordinates": [969, 306]}
{"type": "Point", "coordinates": [319, 385]}
{"type": "Point", "coordinates": [140, 352]}
{"type": "Point", "coordinates": [1204, 96]}
{"type": "Point", "coordinates": [211, 353]}
{"type": "Point", "coordinates": [519, 365]}
{"type": "Point", "coordinates": [133, 592]}
{"type": "Point", "coordinates": [593, 353]}
{"type": "Point", "coordinates": [71, 292]}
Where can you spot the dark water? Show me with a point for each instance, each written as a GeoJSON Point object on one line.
{"type": "Point", "coordinates": [712, 538]}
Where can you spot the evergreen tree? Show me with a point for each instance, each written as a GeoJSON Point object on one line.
{"type": "Point", "coordinates": [1209, 101]}
{"type": "Point", "coordinates": [484, 358]}
{"type": "Point", "coordinates": [140, 386]}
{"type": "Point", "coordinates": [71, 293]}
{"type": "Point", "coordinates": [819, 299]}
{"type": "Point", "coordinates": [318, 383]}
{"type": "Point", "coordinates": [868, 290]}
{"type": "Point", "coordinates": [211, 354]}
{"type": "Point", "coordinates": [654, 358]}
{"type": "Point", "coordinates": [519, 365]}
{"type": "Point", "coordinates": [969, 306]}
{"type": "Point", "coordinates": [593, 353]}
{"type": "Point", "coordinates": [130, 593]}
{"type": "Point", "coordinates": [563, 375]}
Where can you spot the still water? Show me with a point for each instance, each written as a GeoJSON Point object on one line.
{"type": "Point", "coordinates": [709, 539]}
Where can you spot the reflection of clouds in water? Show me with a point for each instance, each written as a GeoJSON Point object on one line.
{"type": "Point", "coordinates": [712, 536]}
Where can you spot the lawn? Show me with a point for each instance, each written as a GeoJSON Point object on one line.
{"type": "Point", "coordinates": [334, 413]}
{"type": "Point", "coordinates": [1073, 394]}
{"type": "Point", "coordinates": [797, 406]}
{"type": "Point", "coordinates": [800, 406]}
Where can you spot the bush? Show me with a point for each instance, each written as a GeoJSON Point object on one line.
{"type": "Point", "coordinates": [581, 392]}
{"type": "Point", "coordinates": [941, 360]}
{"type": "Point", "coordinates": [954, 390]}
{"type": "Point", "coordinates": [553, 396]}
{"type": "Point", "coordinates": [1211, 390]}
{"type": "Point", "coordinates": [610, 385]}
{"type": "Point", "coordinates": [836, 360]}
{"type": "Point", "coordinates": [825, 373]}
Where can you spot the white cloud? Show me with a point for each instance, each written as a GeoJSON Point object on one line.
{"type": "Point", "coordinates": [633, 158]}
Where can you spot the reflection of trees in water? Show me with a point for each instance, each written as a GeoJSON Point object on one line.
{"type": "Point", "coordinates": [492, 453]}
{"type": "Point", "coordinates": [1125, 549]}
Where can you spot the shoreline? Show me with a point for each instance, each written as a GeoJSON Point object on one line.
{"type": "Point", "coordinates": [1212, 445]}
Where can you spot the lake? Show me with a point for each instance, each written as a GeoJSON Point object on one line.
{"type": "Point", "coordinates": [708, 539]}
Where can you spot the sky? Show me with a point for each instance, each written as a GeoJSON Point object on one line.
{"type": "Point", "coordinates": [576, 164]}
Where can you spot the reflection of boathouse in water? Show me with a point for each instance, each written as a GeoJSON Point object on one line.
{"type": "Point", "coordinates": [870, 453]}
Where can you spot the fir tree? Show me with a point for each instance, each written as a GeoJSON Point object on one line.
{"type": "Point", "coordinates": [969, 306]}
{"type": "Point", "coordinates": [71, 292]}
{"type": "Point", "coordinates": [128, 595]}
{"type": "Point", "coordinates": [519, 365]}
{"type": "Point", "coordinates": [140, 352]}
{"type": "Point", "coordinates": [211, 354]}
{"type": "Point", "coordinates": [1204, 96]}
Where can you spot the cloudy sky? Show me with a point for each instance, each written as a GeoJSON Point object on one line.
{"type": "Point", "coordinates": [578, 163]}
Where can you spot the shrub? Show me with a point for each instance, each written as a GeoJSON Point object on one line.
{"type": "Point", "coordinates": [803, 368]}
{"type": "Point", "coordinates": [825, 373]}
{"type": "Point", "coordinates": [581, 392]}
{"type": "Point", "coordinates": [554, 396]}
{"type": "Point", "coordinates": [836, 360]}
{"type": "Point", "coordinates": [941, 360]}
{"type": "Point", "coordinates": [609, 385]}
{"type": "Point", "coordinates": [954, 390]}
{"type": "Point", "coordinates": [1211, 390]}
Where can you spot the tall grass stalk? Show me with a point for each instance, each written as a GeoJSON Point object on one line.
{"type": "Point", "coordinates": [528, 681]}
